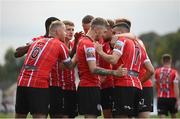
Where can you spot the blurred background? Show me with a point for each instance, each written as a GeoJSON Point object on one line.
{"type": "Point", "coordinates": [156, 22]}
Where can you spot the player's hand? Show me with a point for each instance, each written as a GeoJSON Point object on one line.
{"type": "Point", "coordinates": [98, 47]}
{"type": "Point", "coordinates": [113, 41]}
{"type": "Point", "coordinates": [120, 72]}
{"type": "Point", "coordinates": [77, 36]}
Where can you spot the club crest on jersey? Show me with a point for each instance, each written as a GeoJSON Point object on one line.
{"type": "Point", "coordinates": [90, 52]}
{"type": "Point", "coordinates": [119, 45]}
{"type": "Point", "coordinates": [35, 52]}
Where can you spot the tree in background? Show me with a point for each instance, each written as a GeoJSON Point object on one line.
{"type": "Point", "coordinates": [150, 40]}
{"type": "Point", "coordinates": [158, 45]}
{"type": "Point", "coordinates": [10, 70]}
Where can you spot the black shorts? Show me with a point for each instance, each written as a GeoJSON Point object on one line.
{"type": "Point", "coordinates": [70, 103]}
{"type": "Point", "coordinates": [106, 98]}
{"type": "Point", "coordinates": [147, 93]}
{"type": "Point", "coordinates": [55, 101]}
{"type": "Point", "coordinates": [127, 101]}
{"type": "Point", "coordinates": [166, 105]}
{"type": "Point", "coordinates": [89, 101]}
{"type": "Point", "coordinates": [33, 100]}
{"type": "Point", "coordinates": [62, 102]}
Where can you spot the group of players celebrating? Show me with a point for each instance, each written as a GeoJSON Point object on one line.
{"type": "Point", "coordinates": [112, 65]}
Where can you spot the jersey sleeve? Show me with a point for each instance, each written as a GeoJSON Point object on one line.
{"type": "Point", "coordinates": [145, 57]}
{"type": "Point", "coordinates": [90, 52]}
{"type": "Point", "coordinates": [64, 54]}
{"type": "Point", "coordinates": [119, 46]}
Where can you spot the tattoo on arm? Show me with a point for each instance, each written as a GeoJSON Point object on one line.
{"type": "Point", "coordinates": [103, 72]}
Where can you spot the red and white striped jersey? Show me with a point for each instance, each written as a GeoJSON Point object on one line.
{"type": "Point", "coordinates": [41, 57]}
{"type": "Point", "coordinates": [165, 78]}
{"type": "Point", "coordinates": [62, 77]}
{"type": "Point", "coordinates": [86, 52]}
{"type": "Point", "coordinates": [55, 75]}
{"type": "Point", "coordinates": [132, 58]}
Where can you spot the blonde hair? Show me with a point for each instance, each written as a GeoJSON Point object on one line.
{"type": "Point", "coordinates": [54, 25]}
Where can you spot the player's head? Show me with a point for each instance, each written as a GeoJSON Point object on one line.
{"type": "Point", "coordinates": [99, 27]}
{"type": "Point", "coordinates": [166, 59]}
{"type": "Point", "coordinates": [109, 33]}
{"type": "Point", "coordinates": [120, 20]}
{"type": "Point", "coordinates": [57, 30]}
{"type": "Point", "coordinates": [48, 23]}
{"type": "Point", "coordinates": [86, 22]}
{"type": "Point", "coordinates": [121, 28]}
{"type": "Point", "coordinates": [69, 29]}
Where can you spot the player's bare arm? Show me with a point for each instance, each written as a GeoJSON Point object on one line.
{"type": "Point", "coordinates": [76, 41]}
{"type": "Point", "coordinates": [21, 51]}
{"type": "Point", "coordinates": [101, 71]}
{"type": "Point", "coordinates": [112, 59]}
{"type": "Point", "coordinates": [149, 71]}
{"type": "Point", "coordinates": [128, 35]}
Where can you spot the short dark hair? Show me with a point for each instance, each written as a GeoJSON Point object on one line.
{"type": "Point", "coordinates": [48, 23]}
{"type": "Point", "coordinates": [67, 22]}
{"type": "Point", "coordinates": [99, 21]}
{"type": "Point", "coordinates": [122, 25]}
{"type": "Point", "coordinates": [120, 20]}
{"type": "Point", "coordinates": [87, 19]}
{"type": "Point", "coordinates": [166, 58]}
{"type": "Point", "coordinates": [110, 22]}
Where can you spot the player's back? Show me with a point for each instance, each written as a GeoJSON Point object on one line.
{"type": "Point", "coordinates": [165, 78]}
{"type": "Point", "coordinates": [131, 59]}
{"type": "Point", "coordinates": [41, 56]}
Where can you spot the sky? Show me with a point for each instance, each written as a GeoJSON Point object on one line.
{"type": "Point", "coordinates": [21, 20]}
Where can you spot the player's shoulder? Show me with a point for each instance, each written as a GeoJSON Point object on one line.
{"type": "Point", "coordinates": [141, 42]}
{"type": "Point", "coordinates": [86, 41]}
{"type": "Point", "coordinates": [56, 43]}
{"type": "Point", "coordinates": [37, 38]}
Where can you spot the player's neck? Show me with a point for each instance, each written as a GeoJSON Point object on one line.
{"type": "Point", "coordinates": [53, 36]}
{"type": "Point", "coordinates": [67, 42]}
{"type": "Point", "coordinates": [91, 34]}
